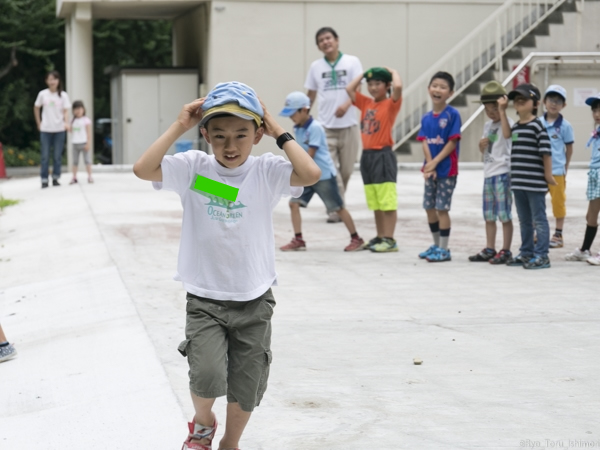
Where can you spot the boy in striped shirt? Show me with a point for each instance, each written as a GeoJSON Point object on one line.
{"type": "Point", "coordinates": [530, 173]}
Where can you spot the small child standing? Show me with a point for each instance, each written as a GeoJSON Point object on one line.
{"type": "Point", "coordinates": [310, 134]}
{"type": "Point", "coordinates": [531, 173]}
{"type": "Point", "coordinates": [81, 127]}
{"type": "Point", "coordinates": [378, 164]}
{"type": "Point", "coordinates": [593, 191]}
{"type": "Point", "coordinates": [440, 135]}
{"type": "Point", "coordinates": [561, 137]}
{"type": "Point", "coordinates": [497, 198]}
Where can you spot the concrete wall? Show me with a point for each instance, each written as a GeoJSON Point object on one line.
{"type": "Point", "coordinates": [270, 45]}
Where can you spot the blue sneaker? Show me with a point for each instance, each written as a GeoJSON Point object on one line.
{"type": "Point", "coordinates": [440, 255]}
{"type": "Point", "coordinates": [430, 251]}
{"type": "Point", "coordinates": [537, 263]}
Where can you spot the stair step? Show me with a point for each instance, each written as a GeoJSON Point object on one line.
{"type": "Point", "coordinates": [543, 29]}
{"type": "Point", "coordinates": [569, 6]}
{"type": "Point", "coordinates": [556, 17]}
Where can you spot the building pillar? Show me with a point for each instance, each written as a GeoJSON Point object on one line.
{"type": "Point", "coordinates": [79, 66]}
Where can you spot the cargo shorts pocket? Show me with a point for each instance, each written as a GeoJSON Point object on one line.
{"type": "Point", "coordinates": [262, 385]}
{"type": "Point", "coordinates": [183, 347]}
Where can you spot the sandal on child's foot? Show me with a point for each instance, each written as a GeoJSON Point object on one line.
{"type": "Point", "coordinates": [197, 433]}
{"type": "Point", "coordinates": [73, 181]}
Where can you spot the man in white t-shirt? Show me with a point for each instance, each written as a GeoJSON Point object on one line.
{"type": "Point", "coordinates": [227, 250]}
{"type": "Point", "coordinates": [327, 80]}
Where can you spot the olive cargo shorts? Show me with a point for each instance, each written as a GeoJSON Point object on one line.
{"type": "Point", "coordinates": [228, 346]}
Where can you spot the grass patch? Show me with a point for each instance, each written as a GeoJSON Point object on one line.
{"type": "Point", "coordinates": [4, 202]}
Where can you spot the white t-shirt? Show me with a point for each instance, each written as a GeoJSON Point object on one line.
{"type": "Point", "coordinates": [53, 107]}
{"type": "Point", "coordinates": [227, 250]}
{"type": "Point", "coordinates": [78, 128]}
{"type": "Point", "coordinates": [329, 95]}
{"type": "Point", "coordinates": [496, 158]}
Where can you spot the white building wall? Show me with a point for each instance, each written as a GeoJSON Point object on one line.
{"type": "Point", "coordinates": [270, 45]}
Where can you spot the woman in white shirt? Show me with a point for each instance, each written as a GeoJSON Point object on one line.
{"type": "Point", "coordinates": [53, 124]}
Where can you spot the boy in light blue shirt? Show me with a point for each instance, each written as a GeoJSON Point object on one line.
{"type": "Point", "coordinates": [593, 191]}
{"type": "Point", "coordinates": [310, 134]}
{"type": "Point", "coordinates": [561, 137]}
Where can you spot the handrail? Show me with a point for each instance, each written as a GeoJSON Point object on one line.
{"type": "Point", "coordinates": [526, 61]}
{"type": "Point", "coordinates": [472, 56]}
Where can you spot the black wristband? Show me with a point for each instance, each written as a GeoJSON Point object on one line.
{"type": "Point", "coordinates": [283, 139]}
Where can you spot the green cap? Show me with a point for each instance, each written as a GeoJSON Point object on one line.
{"type": "Point", "coordinates": [491, 92]}
{"type": "Point", "coordinates": [379, 74]}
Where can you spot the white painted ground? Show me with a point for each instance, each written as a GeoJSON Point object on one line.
{"type": "Point", "coordinates": [510, 356]}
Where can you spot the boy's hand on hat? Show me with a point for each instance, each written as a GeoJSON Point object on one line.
{"type": "Point", "coordinates": [272, 128]}
{"type": "Point", "coordinates": [483, 144]}
{"type": "Point", "coordinates": [503, 102]}
{"type": "Point", "coordinates": [191, 114]}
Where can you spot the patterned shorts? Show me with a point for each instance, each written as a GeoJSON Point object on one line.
{"type": "Point", "coordinates": [438, 193]}
{"type": "Point", "coordinates": [593, 187]}
{"type": "Point", "coordinates": [497, 198]}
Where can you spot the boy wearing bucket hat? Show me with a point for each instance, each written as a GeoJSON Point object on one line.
{"type": "Point", "coordinates": [497, 198]}
{"type": "Point", "coordinates": [378, 164]}
{"type": "Point", "coordinates": [226, 254]}
{"type": "Point", "coordinates": [561, 137]}
{"type": "Point", "coordinates": [310, 134]}
{"type": "Point", "coordinates": [593, 191]}
{"type": "Point", "coordinates": [530, 175]}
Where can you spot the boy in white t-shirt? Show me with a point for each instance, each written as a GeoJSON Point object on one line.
{"type": "Point", "coordinates": [226, 256]}
{"type": "Point", "coordinates": [497, 199]}
{"type": "Point", "coordinates": [81, 129]}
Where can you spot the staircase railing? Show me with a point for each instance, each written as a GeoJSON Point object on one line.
{"type": "Point", "coordinates": [476, 53]}
{"type": "Point", "coordinates": [547, 58]}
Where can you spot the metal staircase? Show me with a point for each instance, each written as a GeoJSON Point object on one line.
{"type": "Point", "coordinates": [474, 57]}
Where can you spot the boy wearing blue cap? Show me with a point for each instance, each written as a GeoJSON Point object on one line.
{"type": "Point", "coordinates": [226, 256]}
{"type": "Point", "coordinates": [561, 137]}
{"type": "Point", "coordinates": [593, 191]}
{"type": "Point", "coordinates": [310, 134]}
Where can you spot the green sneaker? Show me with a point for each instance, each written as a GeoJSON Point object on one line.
{"type": "Point", "coordinates": [371, 243]}
{"type": "Point", "coordinates": [386, 245]}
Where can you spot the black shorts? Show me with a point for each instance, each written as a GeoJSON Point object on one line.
{"type": "Point", "coordinates": [379, 166]}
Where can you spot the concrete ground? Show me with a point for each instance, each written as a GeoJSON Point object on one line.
{"type": "Point", "coordinates": [510, 357]}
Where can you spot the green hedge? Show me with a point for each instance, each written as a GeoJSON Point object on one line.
{"type": "Point", "coordinates": [26, 157]}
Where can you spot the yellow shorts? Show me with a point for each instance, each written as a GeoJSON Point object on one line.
{"type": "Point", "coordinates": [382, 196]}
{"type": "Point", "coordinates": [559, 197]}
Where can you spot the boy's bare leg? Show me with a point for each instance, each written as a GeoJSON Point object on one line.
{"type": "Point", "coordinates": [389, 223]}
{"type": "Point", "coordinates": [2, 336]}
{"type": "Point", "coordinates": [347, 219]}
{"type": "Point", "coordinates": [592, 213]}
{"type": "Point", "coordinates": [444, 217]}
{"type": "Point", "coordinates": [236, 423]}
{"type": "Point", "coordinates": [204, 415]}
{"type": "Point", "coordinates": [507, 234]}
{"type": "Point", "coordinates": [490, 234]}
{"type": "Point", "coordinates": [379, 223]}
{"type": "Point", "coordinates": [88, 167]}
{"type": "Point", "coordinates": [560, 223]}
{"type": "Point", "coordinates": [432, 216]}
{"type": "Point", "coordinates": [296, 218]}
{"type": "Point", "coordinates": [74, 172]}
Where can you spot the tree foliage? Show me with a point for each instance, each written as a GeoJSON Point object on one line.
{"type": "Point", "coordinates": [32, 42]}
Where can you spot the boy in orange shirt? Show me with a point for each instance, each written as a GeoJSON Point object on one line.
{"type": "Point", "coordinates": [378, 164]}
